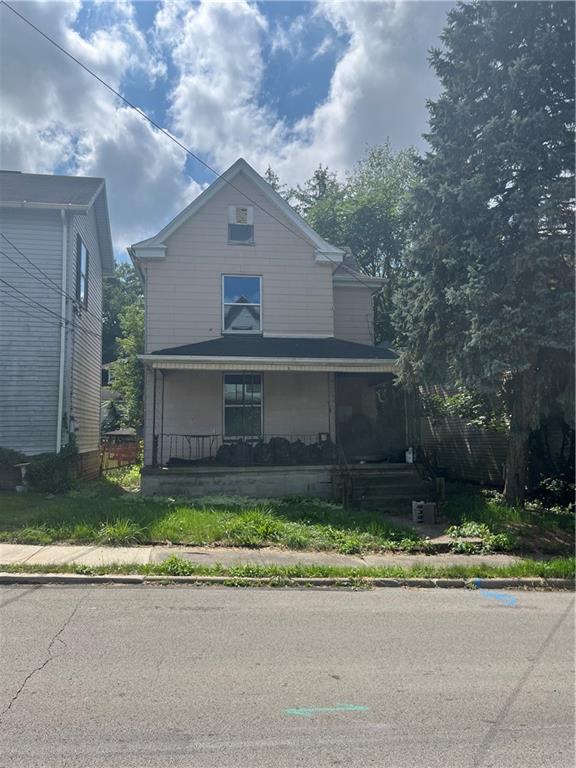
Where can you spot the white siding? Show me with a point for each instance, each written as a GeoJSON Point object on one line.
{"type": "Point", "coordinates": [353, 314]}
{"type": "Point", "coordinates": [183, 290]}
{"type": "Point", "coordinates": [29, 337]}
{"type": "Point", "coordinates": [85, 338]}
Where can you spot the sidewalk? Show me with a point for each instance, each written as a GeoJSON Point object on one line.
{"type": "Point", "coordinates": [11, 554]}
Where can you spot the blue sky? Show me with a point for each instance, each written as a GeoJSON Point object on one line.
{"type": "Point", "coordinates": [286, 84]}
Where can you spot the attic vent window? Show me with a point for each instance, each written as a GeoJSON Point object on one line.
{"type": "Point", "coordinates": [240, 225]}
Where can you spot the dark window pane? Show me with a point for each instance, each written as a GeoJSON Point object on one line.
{"type": "Point", "coordinates": [232, 393]}
{"type": "Point", "coordinates": [240, 421]}
{"type": "Point", "coordinates": [241, 318]}
{"type": "Point", "coordinates": [241, 233]}
{"type": "Point", "coordinates": [241, 290]}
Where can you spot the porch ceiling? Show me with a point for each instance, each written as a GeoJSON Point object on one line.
{"type": "Point", "coordinates": [262, 353]}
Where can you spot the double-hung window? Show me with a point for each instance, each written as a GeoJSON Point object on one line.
{"type": "Point", "coordinates": [242, 405]}
{"type": "Point", "coordinates": [81, 272]}
{"type": "Point", "coordinates": [241, 304]}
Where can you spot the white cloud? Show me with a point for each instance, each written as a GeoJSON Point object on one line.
{"type": "Point", "coordinates": [55, 116]}
{"type": "Point", "coordinates": [217, 51]}
{"type": "Point", "coordinates": [377, 91]}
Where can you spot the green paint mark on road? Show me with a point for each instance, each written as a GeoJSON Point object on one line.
{"type": "Point", "coordinates": [311, 711]}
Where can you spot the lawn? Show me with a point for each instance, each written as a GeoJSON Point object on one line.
{"type": "Point", "coordinates": [106, 513]}
{"type": "Point", "coordinates": [471, 511]}
{"type": "Point", "coordinates": [111, 511]}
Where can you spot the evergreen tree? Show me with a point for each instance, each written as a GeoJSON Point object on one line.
{"type": "Point", "coordinates": [488, 299]}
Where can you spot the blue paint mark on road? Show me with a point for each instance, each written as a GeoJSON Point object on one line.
{"type": "Point", "coordinates": [311, 711]}
{"type": "Point", "coordinates": [501, 597]}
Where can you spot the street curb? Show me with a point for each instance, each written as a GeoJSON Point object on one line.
{"type": "Point", "coordinates": [230, 580]}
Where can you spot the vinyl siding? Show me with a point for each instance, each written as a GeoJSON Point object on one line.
{"type": "Point", "coordinates": [353, 314]}
{"type": "Point", "coordinates": [184, 290]}
{"type": "Point", "coordinates": [29, 337]}
{"type": "Point", "coordinates": [85, 338]}
{"type": "Point", "coordinates": [294, 404]}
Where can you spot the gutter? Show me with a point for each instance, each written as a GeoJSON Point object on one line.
{"type": "Point", "coordinates": [62, 332]}
{"type": "Point", "coordinates": [76, 207]}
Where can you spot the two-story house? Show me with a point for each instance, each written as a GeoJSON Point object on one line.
{"type": "Point", "coordinates": [55, 249]}
{"type": "Point", "coordinates": [259, 346]}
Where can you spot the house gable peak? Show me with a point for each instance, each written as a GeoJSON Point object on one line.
{"type": "Point", "coordinates": [155, 247]}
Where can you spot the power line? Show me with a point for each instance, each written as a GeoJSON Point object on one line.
{"type": "Point", "coordinates": [56, 286]}
{"type": "Point", "coordinates": [51, 283]}
{"type": "Point", "coordinates": [26, 303]}
{"type": "Point", "coordinates": [15, 308]}
{"type": "Point", "coordinates": [174, 139]}
{"type": "Point", "coordinates": [30, 302]}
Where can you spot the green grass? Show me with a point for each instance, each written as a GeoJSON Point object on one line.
{"type": "Point", "coordinates": [112, 512]}
{"type": "Point", "coordinates": [175, 566]}
{"type": "Point", "coordinates": [103, 512]}
{"type": "Point", "coordinates": [471, 511]}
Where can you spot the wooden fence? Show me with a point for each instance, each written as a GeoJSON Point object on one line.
{"type": "Point", "coordinates": [462, 451]}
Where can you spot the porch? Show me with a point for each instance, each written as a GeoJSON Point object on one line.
{"type": "Point", "coordinates": [300, 417]}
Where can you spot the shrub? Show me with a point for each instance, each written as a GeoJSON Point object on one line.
{"type": "Point", "coordinates": [10, 457]}
{"type": "Point", "coordinates": [53, 472]}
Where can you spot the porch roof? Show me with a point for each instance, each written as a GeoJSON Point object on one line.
{"type": "Point", "coordinates": [266, 353]}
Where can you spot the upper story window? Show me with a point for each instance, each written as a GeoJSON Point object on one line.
{"type": "Point", "coordinates": [240, 225]}
{"type": "Point", "coordinates": [81, 272]}
{"type": "Point", "coordinates": [241, 304]}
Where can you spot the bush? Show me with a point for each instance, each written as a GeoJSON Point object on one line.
{"type": "Point", "coordinates": [53, 472]}
{"type": "Point", "coordinates": [10, 457]}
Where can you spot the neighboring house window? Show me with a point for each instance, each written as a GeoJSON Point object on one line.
{"type": "Point", "coordinates": [241, 300]}
{"type": "Point", "coordinates": [242, 405]}
{"type": "Point", "coordinates": [81, 272]}
{"type": "Point", "coordinates": [240, 225]}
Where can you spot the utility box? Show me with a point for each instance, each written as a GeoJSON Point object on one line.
{"type": "Point", "coordinates": [423, 512]}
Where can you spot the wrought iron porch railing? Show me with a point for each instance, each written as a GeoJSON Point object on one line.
{"type": "Point", "coordinates": [262, 450]}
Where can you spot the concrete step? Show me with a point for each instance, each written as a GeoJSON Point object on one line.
{"type": "Point", "coordinates": [388, 485]}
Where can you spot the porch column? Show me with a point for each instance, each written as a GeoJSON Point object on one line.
{"type": "Point", "coordinates": [332, 405]}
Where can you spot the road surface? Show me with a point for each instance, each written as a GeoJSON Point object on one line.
{"type": "Point", "coordinates": [150, 676]}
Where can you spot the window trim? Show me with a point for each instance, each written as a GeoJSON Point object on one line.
{"type": "Point", "coordinates": [225, 304]}
{"type": "Point", "coordinates": [232, 438]}
{"type": "Point", "coordinates": [83, 302]}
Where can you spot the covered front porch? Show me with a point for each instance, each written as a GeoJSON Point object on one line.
{"type": "Point", "coordinates": [303, 409]}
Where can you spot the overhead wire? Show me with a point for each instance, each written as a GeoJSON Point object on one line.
{"type": "Point", "coordinates": [51, 283]}
{"type": "Point", "coordinates": [38, 306]}
{"type": "Point", "coordinates": [176, 141]}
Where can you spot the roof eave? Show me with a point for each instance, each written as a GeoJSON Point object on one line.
{"type": "Point", "coordinates": [247, 363]}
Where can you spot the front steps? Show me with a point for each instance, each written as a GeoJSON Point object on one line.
{"type": "Point", "coordinates": [385, 487]}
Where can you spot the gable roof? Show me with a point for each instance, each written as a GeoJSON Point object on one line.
{"type": "Point", "coordinates": [73, 193]}
{"type": "Point", "coordinates": [325, 251]}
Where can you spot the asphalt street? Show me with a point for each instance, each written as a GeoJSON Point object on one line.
{"type": "Point", "coordinates": [150, 676]}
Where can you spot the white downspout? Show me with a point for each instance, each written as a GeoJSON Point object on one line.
{"type": "Point", "coordinates": [62, 331]}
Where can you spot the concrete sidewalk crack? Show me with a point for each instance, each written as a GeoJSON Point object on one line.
{"type": "Point", "coordinates": [57, 638]}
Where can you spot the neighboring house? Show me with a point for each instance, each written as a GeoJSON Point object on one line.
{"type": "Point", "coordinates": [259, 345]}
{"type": "Point", "coordinates": [55, 249]}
